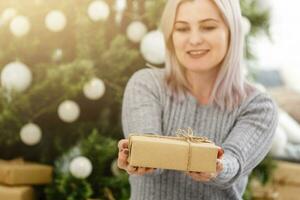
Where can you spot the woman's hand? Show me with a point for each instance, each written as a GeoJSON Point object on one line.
{"type": "Point", "coordinates": [204, 176]}
{"type": "Point", "coordinates": [123, 163]}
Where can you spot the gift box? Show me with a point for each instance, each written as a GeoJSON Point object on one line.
{"type": "Point", "coordinates": [265, 195]}
{"type": "Point", "coordinates": [16, 193]}
{"type": "Point", "coordinates": [286, 180]}
{"type": "Point", "coordinates": [19, 172]}
{"type": "Point", "coordinates": [260, 192]}
{"type": "Point", "coordinates": [285, 183]}
{"type": "Point", "coordinates": [186, 153]}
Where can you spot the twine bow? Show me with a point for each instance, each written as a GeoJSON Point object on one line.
{"type": "Point", "coordinates": [188, 135]}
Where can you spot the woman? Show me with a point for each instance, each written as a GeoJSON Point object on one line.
{"type": "Point", "coordinates": [201, 87]}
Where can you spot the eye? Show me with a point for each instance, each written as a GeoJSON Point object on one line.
{"type": "Point", "coordinates": [208, 28]}
{"type": "Point", "coordinates": [182, 29]}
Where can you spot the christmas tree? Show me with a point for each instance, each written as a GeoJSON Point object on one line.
{"type": "Point", "coordinates": [64, 66]}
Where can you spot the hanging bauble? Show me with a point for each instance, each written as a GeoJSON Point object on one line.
{"type": "Point", "coordinates": [57, 55]}
{"type": "Point", "coordinates": [98, 10]}
{"type": "Point", "coordinates": [19, 26]}
{"type": "Point", "coordinates": [120, 5]}
{"type": "Point", "coordinates": [290, 75]}
{"type": "Point", "coordinates": [8, 14]}
{"type": "Point", "coordinates": [68, 111]}
{"type": "Point", "coordinates": [115, 170]}
{"type": "Point", "coordinates": [136, 31]}
{"type": "Point", "coordinates": [55, 21]}
{"type": "Point", "coordinates": [246, 25]}
{"type": "Point", "coordinates": [81, 167]}
{"type": "Point", "coordinates": [16, 76]}
{"type": "Point", "coordinates": [31, 134]}
{"type": "Point", "coordinates": [94, 89]}
{"type": "Point", "coordinates": [153, 47]}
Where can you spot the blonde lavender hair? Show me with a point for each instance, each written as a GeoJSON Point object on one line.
{"type": "Point", "coordinates": [229, 89]}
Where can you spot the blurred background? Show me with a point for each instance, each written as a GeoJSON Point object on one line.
{"type": "Point", "coordinates": [64, 66]}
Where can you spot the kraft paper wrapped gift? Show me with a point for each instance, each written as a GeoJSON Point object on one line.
{"type": "Point", "coordinates": [185, 153]}
{"type": "Point", "coordinates": [286, 180]}
{"type": "Point", "coordinates": [16, 193]}
{"type": "Point", "coordinates": [19, 172]}
{"type": "Point", "coordinates": [285, 183]}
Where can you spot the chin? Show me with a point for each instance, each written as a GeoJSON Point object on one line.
{"type": "Point", "coordinates": [197, 68]}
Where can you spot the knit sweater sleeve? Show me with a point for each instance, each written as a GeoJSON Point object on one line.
{"type": "Point", "coordinates": [142, 110]}
{"type": "Point", "coordinates": [248, 141]}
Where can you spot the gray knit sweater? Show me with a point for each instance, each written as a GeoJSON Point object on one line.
{"type": "Point", "coordinates": [245, 134]}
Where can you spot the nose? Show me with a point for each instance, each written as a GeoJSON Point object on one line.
{"type": "Point", "coordinates": [195, 38]}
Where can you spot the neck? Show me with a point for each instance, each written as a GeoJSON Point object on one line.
{"type": "Point", "coordinates": [201, 85]}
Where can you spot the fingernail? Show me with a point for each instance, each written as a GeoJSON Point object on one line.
{"type": "Point", "coordinates": [220, 153]}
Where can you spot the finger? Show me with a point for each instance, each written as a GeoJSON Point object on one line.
{"type": "Point", "coordinates": [219, 165]}
{"type": "Point", "coordinates": [141, 170]}
{"type": "Point", "coordinates": [149, 170]}
{"type": "Point", "coordinates": [204, 175]}
{"type": "Point", "coordinates": [122, 160]}
{"type": "Point", "coordinates": [220, 152]}
{"type": "Point", "coordinates": [122, 144]}
{"type": "Point", "coordinates": [131, 169]}
{"type": "Point", "coordinates": [201, 176]}
{"type": "Point", "coordinates": [213, 175]}
{"type": "Point", "coordinates": [124, 153]}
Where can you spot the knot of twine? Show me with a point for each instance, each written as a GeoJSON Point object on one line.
{"type": "Point", "coordinates": [188, 135]}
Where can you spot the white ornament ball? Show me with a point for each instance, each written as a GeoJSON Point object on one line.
{"type": "Point", "coordinates": [68, 111]}
{"type": "Point", "coordinates": [115, 169]}
{"type": "Point", "coordinates": [290, 126]}
{"type": "Point", "coordinates": [94, 89]}
{"type": "Point", "coordinates": [120, 5]}
{"type": "Point", "coordinates": [8, 14]}
{"type": "Point", "coordinates": [290, 76]}
{"type": "Point", "coordinates": [55, 21]}
{"type": "Point", "coordinates": [264, 5]}
{"type": "Point", "coordinates": [153, 47]}
{"type": "Point", "coordinates": [20, 26]}
{"type": "Point", "coordinates": [81, 167]}
{"type": "Point", "coordinates": [98, 10]}
{"type": "Point", "coordinates": [279, 142]}
{"type": "Point", "coordinates": [57, 55]}
{"type": "Point", "coordinates": [31, 134]}
{"type": "Point", "coordinates": [136, 31]}
{"type": "Point", "coordinates": [16, 76]}
{"type": "Point", "coordinates": [246, 25]}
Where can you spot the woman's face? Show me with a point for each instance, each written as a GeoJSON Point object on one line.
{"type": "Point", "coordinates": [200, 36]}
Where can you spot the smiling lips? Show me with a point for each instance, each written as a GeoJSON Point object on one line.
{"type": "Point", "coordinates": [197, 53]}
